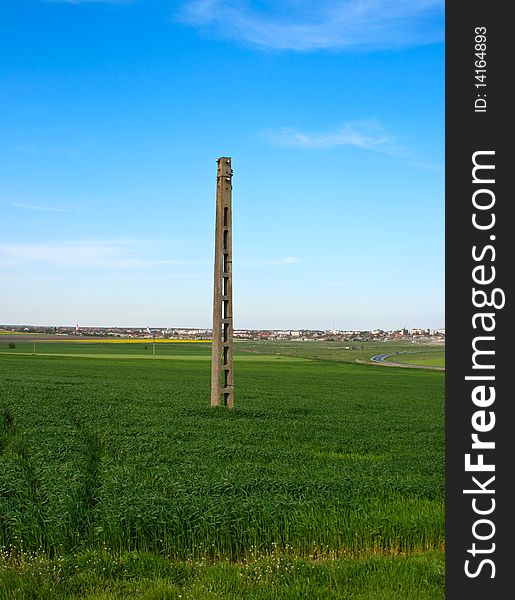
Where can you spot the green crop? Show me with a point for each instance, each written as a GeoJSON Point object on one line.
{"type": "Point", "coordinates": [318, 460]}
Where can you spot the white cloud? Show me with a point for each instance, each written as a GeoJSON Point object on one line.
{"type": "Point", "coordinates": [91, 1]}
{"type": "Point", "coordinates": [97, 254]}
{"type": "Point", "coordinates": [365, 135]}
{"type": "Point", "coordinates": [304, 25]}
{"type": "Point", "coordinates": [41, 207]}
{"type": "Point", "coordinates": [368, 135]}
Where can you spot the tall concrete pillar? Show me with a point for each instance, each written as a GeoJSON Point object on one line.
{"type": "Point", "coordinates": [222, 386]}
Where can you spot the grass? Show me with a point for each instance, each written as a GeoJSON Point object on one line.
{"type": "Point", "coordinates": [103, 576]}
{"type": "Point", "coordinates": [113, 348]}
{"type": "Point", "coordinates": [435, 358]}
{"type": "Point", "coordinates": [348, 352]}
{"type": "Point", "coordinates": [323, 465]}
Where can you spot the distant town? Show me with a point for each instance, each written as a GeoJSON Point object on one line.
{"type": "Point", "coordinates": [172, 333]}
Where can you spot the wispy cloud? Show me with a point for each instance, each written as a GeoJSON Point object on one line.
{"type": "Point", "coordinates": [428, 166]}
{"type": "Point", "coordinates": [269, 262]}
{"type": "Point", "coordinates": [53, 208]}
{"type": "Point", "coordinates": [90, 1]}
{"type": "Point", "coordinates": [88, 254]}
{"type": "Point", "coordinates": [320, 24]}
{"type": "Point", "coordinates": [367, 135]}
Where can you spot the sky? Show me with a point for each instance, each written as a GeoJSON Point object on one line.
{"type": "Point", "coordinates": [112, 116]}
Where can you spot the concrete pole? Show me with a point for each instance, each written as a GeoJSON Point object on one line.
{"type": "Point", "coordinates": [222, 384]}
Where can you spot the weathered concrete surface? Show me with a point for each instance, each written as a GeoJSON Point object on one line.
{"type": "Point", "coordinates": [222, 384]}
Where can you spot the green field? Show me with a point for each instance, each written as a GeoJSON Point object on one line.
{"type": "Point", "coordinates": [434, 358]}
{"type": "Point", "coordinates": [349, 352]}
{"type": "Point", "coordinates": [118, 480]}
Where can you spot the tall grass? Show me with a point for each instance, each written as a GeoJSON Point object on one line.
{"type": "Point", "coordinates": [318, 460]}
{"type": "Point", "coordinates": [104, 576]}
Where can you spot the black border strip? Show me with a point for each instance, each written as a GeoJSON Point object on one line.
{"type": "Point", "coordinates": [478, 121]}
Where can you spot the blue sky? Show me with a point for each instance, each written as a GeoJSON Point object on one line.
{"type": "Point", "coordinates": [113, 114]}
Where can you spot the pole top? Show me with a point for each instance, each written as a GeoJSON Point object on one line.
{"type": "Point", "coordinates": [224, 166]}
